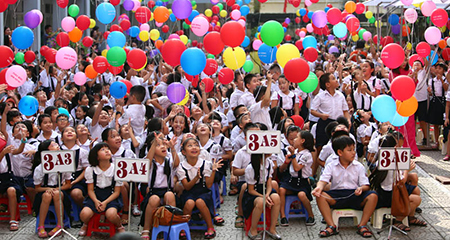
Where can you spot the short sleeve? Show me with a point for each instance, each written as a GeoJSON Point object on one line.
{"type": "Point", "coordinates": [227, 144]}
{"type": "Point", "coordinates": [326, 174]}
{"type": "Point", "coordinates": [88, 175]}
{"type": "Point", "coordinates": [38, 175]}
{"type": "Point", "coordinates": [274, 96]}
{"type": "Point", "coordinates": [377, 84]}
{"type": "Point", "coordinates": [67, 176]}
{"type": "Point", "coordinates": [296, 99]}
{"type": "Point", "coordinates": [363, 180]}
{"type": "Point", "coordinates": [181, 174]}
{"type": "Point", "coordinates": [315, 103]}
{"type": "Point", "coordinates": [344, 102]}
{"type": "Point", "coordinates": [207, 170]}
{"type": "Point", "coordinates": [84, 157]}
{"type": "Point", "coordinates": [119, 183]}
{"type": "Point", "coordinates": [250, 175]}
{"type": "Point", "coordinates": [360, 131]}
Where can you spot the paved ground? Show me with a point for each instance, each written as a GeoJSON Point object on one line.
{"type": "Point", "coordinates": [435, 205]}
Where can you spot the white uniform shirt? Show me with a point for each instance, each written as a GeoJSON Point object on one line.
{"type": "Point", "coordinates": [373, 84]}
{"type": "Point", "coordinates": [247, 99]}
{"type": "Point", "coordinates": [286, 99]}
{"type": "Point", "coordinates": [304, 158]}
{"type": "Point", "coordinates": [38, 177]}
{"type": "Point", "coordinates": [260, 115]}
{"type": "Point", "coordinates": [161, 178]}
{"type": "Point", "coordinates": [192, 170]}
{"type": "Point", "coordinates": [104, 178]}
{"type": "Point", "coordinates": [235, 96]}
{"type": "Point", "coordinates": [120, 154]}
{"type": "Point", "coordinates": [438, 88]}
{"type": "Point", "coordinates": [137, 114]}
{"type": "Point", "coordinates": [241, 161]}
{"type": "Point", "coordinates": [421, 92]}
{"type": "Point", "coordinates": [21, 165]}
{"type": "Point", "coordinates": [27, 87]}
{"type": "Point", "coordinates": [83, 161]}
{"type": "Point", "coordinates": [352, 177]}
{"type": "Point", "coordinates": [333, 105]}
{"type": "Point", "coordinates": [250, 173]}
{"type": "Point", "coordinates": [54, 135]}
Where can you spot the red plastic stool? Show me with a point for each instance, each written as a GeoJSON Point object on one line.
{"type": "Point", "coordinates": [96, 226]}
{"type": "Point", "coordinates": [248, 222]}
{"type": "Point", "coordinates": [26, 205]}
{"type": "Point", "coordinates": [5, 215]}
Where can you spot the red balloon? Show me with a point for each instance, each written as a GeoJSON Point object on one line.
{"type": "Point", "coordinates": [187, 112]}
{"type": "Point", "coordinates": [262, 1]}
{"type": "Point", "coordinates": [213, 43]}
{"type": "Point", "coordinates": [226, 76]}
{"type": "Point", "coordinates": [43, 50]}
{"type": "Point", "coordinates": [375, 39]}
{"type": "Point", "coordinates": [62, 3]}
{"type": "Point", "coordinates": [151, 4]}
{"type": "Point", "coordinates": [406, 30]}
{"type": "Point", "coordinates": [446, 54]}
{"type": "Point", "coordinates": [172, 50]}
{"type": "Point", "coordinates": [87, 41]}
{"type": "Point", "coordinates": [128, 83]}
{"type": "Point", "coordinates": [299, 44]}
{"type": "Point", "coordinates": [115, 27]}
{"type": "Point", "coordinates": [386, 40]}
{"type": "Point", "coordinates": [114, 2]}
{"type": "Point", "coordinates": [191, 78]}
{"type": "Point", "coordinates": [392, 56]}
{"type": "Point", "coordinates": [115, 70]}
{"type": "Point", "coordinates": [200, 45]}
{"type": "Point", "coordinates": [310, 54]}
{"type": "Point", "coordinates": [50, 55]}
{"type": "Point", "coordinates": [30, 56]}
{"type": "Point", "coordinates": [360, 8]}
{"type": "Point", "coordinates": [300, 101]}
{"type": "Point", "coordinates": [194, 43]}
{"type": "Point", "coordinates": [217, 28]}
{"type": "Point", "coordinates": [439, 17]}
{"type": "Point", "coordinates": [209, 84]}
{"type": "Point", "coordinates": [232, 34]}
{"type": "Point", "coordinates": [284, 24]}
{"type": "Point", "coordinates": [11, 1]}
{"type": "Point", "coordinates": [352, 24]}
{"type": "Point", "coordinates": [297, 20]}
{"type": "Point", "coordinates": [296, 3]}
{"type": "Point", "coordinates": [105, 34]}
{"type": "Point", "coordinates": [305, 18]}
{"type": "Point", "coordinates": [230, 2]}
{"type": "Point", "coordinates": [83, 22]}
{"type": "Point", "coordinates": [7, 56]}
{"type": "Point", "coordinates": [414, 58]}
{"type": "Point", "coordinates": [235, 7]}
{"type": "Point", "coordinates": [215, 9]}
{"type": "Point", "coordinates": [298, 120]}
{"type": "Point", "coordinates": [165, 29]}
{"type": "Point", "coordinates": [288, 38]}
{"type": "Point", "coordinates": [211, 67]}
{"type": "Point", "coordinates": [143, 14]}
{"type": "Point", "coordinates": [403, 87]}
{"type": "Point", "coordinates": [3, 79]}
{"type": "Point", "coordinates": [62, 39]}
{"type": "Point", "coordinates": [125, 24]}
{"type": "Point", "coordinates": [3, 6]}
{"type": "Point", "coordinates": [136, 58]}
{"type": "Point", "coordinates": [296, 70]}
{"type": "Point", "coordinates": [100, 64]}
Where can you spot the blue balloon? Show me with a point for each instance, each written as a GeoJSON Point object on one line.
{"type": "Point", "coordinates": [28, 105]}
{"type": "Point", "coordinates": [285, 29]}
{"type": "Point", "coordinates": [22, 38]}
{"type": "Point", "coordinates": [309, 41]}
{"type": "Point", "coordinates": [259, 28]}
{"type": "Point", "coordinates": [340, 30]}
{"type": "Point", "coordinates": [247, 1]}
{"type": "Point", "coordinates": [302, 12]}
{"type": "Point", "coordinates": [172, 17]}
{"type": "Point", "coordinates": [434, 59]}
{"type": "Point", "coordinates": [63, 111]}
{"type": "Point", "coordinates": [239, 2]}
{"type": "Point", "coordinates": [194, 14]}
{"type": "Point", "coordinates": [267, 54]}
{"type": "Point", "coordinates": [134, 31]}
{"type": "Point", "coordinates": [393, 19]}
{"type": "Point", "coordinates": [118, 89]}
{"type": "Point", "coordinates": [245, 10]}
{"type": "Point", "coordinates": [398, 120]}
{"type": "Point", "coordinates": [384, 108]}
{"type": "Point", "coordinates": [116, 39]}
{"type": "Point", "coordinates": [310, 13]}
{"type": "Point", "coordinates": [105, 13]}
{"type": "Point", "coordinates": [246, 42]}
{"type": "Point", "coordinates": [193, 61]}
{"type": "Point", "coordinates": [326, 9]}
{"type": "Point", "coordinates": [158, 3]}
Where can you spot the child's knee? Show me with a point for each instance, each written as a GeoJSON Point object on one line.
{"type": "Point", "coordinates": [11, 192]}
{"type": "Point", "coordinates": [372, 197]}
{"type": "Point", "coordinates": [275, 198]}
{"type": "Point", "coordinates": [46, 197]}
{"type": "Point", "coordinates": [190, 204]}
{"type": "Point", "coordinates": [169, 196]}
{"type": "Point", "coordinates": [259, 203]}
{"type": "Point", "coordinates": [154, 201]}
{"type": "Point", "coordinates": [302, 195]}
{"type": "Point", "coordinates": [200, 203]}
{"type": "Point", "coordinates": [111, 213]}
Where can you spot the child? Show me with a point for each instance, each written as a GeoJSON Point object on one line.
{"type": "Point", "coordinates": [130, 141]}
{"type": "Point", "coordinates": [46, 186]}
{"type": "Point", "coordinates": [285, 98]}
{"type": "Point", "coordinates": [84, 140]}
{"type": "Point", "coordinates": [436, 88]}
{"type": "Point", "coordinates": [47, 132]}
{"type": "Point", "coordinates": [364, 129]}
{"type": "Point", "coordinates": [251, 82]}
{"type": "Point", "coordinates": [239, 140]}
{"type": "Point", "coordinates": [419, 76]}
{"type": "Point", "coordinates": [361, 98]}
{"type": "Point", "coordinates": [100, 120]}
{"type": "Point", "coordinates": [160, 183]}
{"type": "Point", "coordinates": [197, 176]}
{"type": "Point", "coordinates": [62, 121]}
{"type": "Point", "coordinates": [180, 126]}
{"type": "Point", "coordinates": [260, 110]}
{"type": "Point", "coordinates": [253, 199]}
{"type": "Point", "coordinates": [348, 181]}
{"type": "Point", "coordinates": [103, 190]}
{"type": "Point", "coordinates": [298, 169]}
{"type": "Point", "coordinates": [135, 111]}
{"type": "Point", "coordinates": [81, 116]}
{"type": "Point", "coordinates": [82, 100]}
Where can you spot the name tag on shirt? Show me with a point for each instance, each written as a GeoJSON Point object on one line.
{"type": "Point", "coordinates": [131, 169]}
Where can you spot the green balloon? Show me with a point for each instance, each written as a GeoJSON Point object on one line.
{"type": "Point", "coordinates": [220, 5]}
{"type": "Point", "coordinates": [248, 66]}
{"type": "Point", "coordinates": [19, 58]}
{"type": "Point", "coordinates": [116, 56]}
{"type": "Point", "coordinates": [372, 20]}
{"type": "Point", "coordinates": [361, 32]}
{"type": "Point", "coordinates": [74, 10]}
{"type": "Point", "coordinates": [165, 0]}
{"type": "Point", "coordinates": [186, 26]}
{"type": "Point", "coordinates": [210, 56]}
{"type": "Point", "coordinates": [310, 83]}
{"type": "Point", "coordinates": [193, 3]}
{"type": "Point", "coordinates": [272, 33]}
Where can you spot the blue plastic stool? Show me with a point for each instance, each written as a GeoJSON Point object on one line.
{"type": "Point", "coordinates": [224, 186]}
{"type": "Point", "coordinates": [174, 231]}
{"type": "Point", "coordinates": [52, 221]}
{"type": "Point", "coordinates": [198, 225]}
{"type": "Point", "coordinates": [76, 210]}
{"type": "Point", "coordinates": [215, 195]}
{"type": "Point", "coordinates": [294, 213]}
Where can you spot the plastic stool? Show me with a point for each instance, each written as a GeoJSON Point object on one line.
{"type": "Point", "coordinates": [215, 195]}
{"type": "Point", "coordinates": [338, 213]}
{"type": "Point", "coordinates": [5, 215]}
{"type": "Point", "coordinates": [294, 213]}
{"type": "Point", "coordinates": [26, 204]}
{"type": "Point", "coordinates": [76, 210]}
{"type": "Point", "coordinates": [52, 221]}
{"type": "Point", "coordinates": [378, 214]}
{"type": "Point", "coordinates": [248, 222]}
{"type": "Point", "coordinates": [174, 231]}
{"type": "Point", "coordinates": [95, 224]}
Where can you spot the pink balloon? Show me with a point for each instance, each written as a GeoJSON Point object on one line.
{"type": "Point", "coordinates": [439, 17]}
{"type": "Point", "coordinates": [41, 17]}
{"type": "Point", "coordinates": [235, 14]}
{"type": "Point", "coordinates": [302, 34]}
{"type": "Point", "coordinates": [137, 4]}
{"type": "Point", "coordinates": [367, 35]}
{"type": "Point", "coordinates": [309, 28]}
{"type": "Point", "coordinates": [79, 78]}
{"type": "Point", "coordinates": [158, 24]}
{"type": "Point", "coordinates": [392, 55]}
{"type": "Point", "coordinates": [308, 3]}
{"type": "Point", "coordinates": [15, 76]}
{"type": "Point", "coordinates": [66, 58]}
{"type": "Point", "coordinates": [427, 8]}
{"type": "Point", "coordinates": [199, 26]}
{"type": "Point", "coordinates": [256, 44]}
{"type": "Point", "coordinates": [432, 35]}
{"type": "Point", "coordinates": [144, 27]}
{"type": "Point", "coordinates": [174, 36]}
{"type": "Point", "coordinates": [242, 22]}
{"type": "Point", "coordinates": [411, 15]}
{"type": "Point", "coordinates": [68, 24]}
{"type": "Point", "coordinates": [407, 2]}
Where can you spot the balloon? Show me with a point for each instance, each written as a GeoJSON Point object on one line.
{"type": "Point", "coordinates": [63, 39]}
{"type": "Point", "coordinates": [234, 58]}
{"type": "Point", "coordinates": [244, 10]}
{"type": "Point", "coordinates": [272, 33]}
{"type": "Point", "coordinates": [154, 34]}
{"type": "Point", "coordinates": [19, 58]}
{"type": "Point", "coordinates": [92, 23]}
{"type": "Point", "coordinates": [136, 59]}
{"type": "Point", "coordinates": [411, 15]}
{"type": "Point", "coordinates": [360, 8]}
{"type": "Point", "coordinates": [442, 44]}
{"type": "Point", "coordinates": [200, 26]}
{"type": "Point", "coordinates": [115, 70]}
{"type": "Point", "coordinates": [66, 58]}
{"type": "Point", "coordinates": [100, 64]}
{"type": "Point", "coordinates": [287, 52]}
{"type": "Point", "coordinates": [176, 92]}
{"type": "Point", "coordinates": [334, 16]}
{"type": "Point", "coordinates": [319, 19]}
{"type": "Point", "coordinates": [15, 76]}
{"type": "Point", "coordinates": [87, 41]}
{"type": "Point", "coordinates": [50, 55]}
{"type": "Point", "coordinates": [185, 99]}
{"type": "Point", "coordinates": [398, 120]}
{"type": "Point", "coordinates": [414, 58]}
{"type": "Point", "coordinates": [209, 84]}
{"type": "Point", "coordinates": [296, 70]}
{"type": "Point", "coordinates": [340, 30]}
{"type": "Point", "coordinates": [116, 56]}
{"type": "Point", "coordinates": [75, 35]}
{"type": "Point", "coordinates": [423, 49]}
{"type": "Point", "coordinates": [128, 5]}
{"type": "Point", "coordinates": [161, 14]}
{"type": "Point", "coordinates": [144, 36]}
{"type": "Point", "coordinates": [193, 61]}
{"type": "Point", "coordinates": [126, 24]}
{"type": "Point", "coordinates": [403, 87]}
{"type": "Point", "coordinates": [232, 34]}
{"type": "Point", "coordinates": [310, 54]}
{"type": "Point", "coordinates": [427, 8]}
{"type": "Point", "coordinates": [90, 72]}
{"type": "Point", "coordinates": [383, 108]}
{"type": "Point", "coordinates": [105, 12]}
{"type": "Point", "coordinates": [211, 67]}
{"type": "Point", "coordinates": [333, 49]}
{"type": "Point", "coordinates": [29, 56]}
{"type": "Point", "coordinates": [61, 4]}
{"type": "Point", "coordinates": [446, 54]}
{"type": "Point", "coordinates": [439, 17]}
{"type": "Point", "coordinates": [28, 105]}
{"type": "Point", "coordinates": [22, 37]}
{"type": "Point", "coordinates": [246, 42]}
{"type": "Point", "coordinates": [182, 9]}
{"type": "Point", "coordinates": [267, 54]}
{"type": "Point", "coordinates": [32, 19]}
{"type": "Point", "coordinates": [115, 2]}
{"type": "Point", "coordinates": [116, 39]}
{"type": "Point", "coordinates": [367, 36]}
{"type": "Point", "coordinates": [352, 24]}
{"type": "Point", "coordinates": [143, 14]}
{"type": "Point", "coordinates": [407, 107]}
{"type": "Point", "coordinates": [256, 44]}
{"type": "Point", "coordinates": [79, 78]}
{"type": "Point", "coordinates": [435, 58]}
{"type": "Point", "coordinates": [235, 14]}
{"type": "Point", "coordinates": [248, 66]}
{"type": "Point", "coordinates": [310, 83]}
{"type": "Point", "coordinates": [7, 56]}
{"type": "Point", "coordinates": [68, 24]}
{"type": "Point", "coordinates": [393, 19]}
{"type": "Point", "coordinates": [83, 22]}
{"type": "Point", "coordinates": [392, 55]}
{"type": "Point", "coordinates": [309, 41]}
{"type": "Point", "coordinates": [73, 10]}
{"type": "Point", "coordinates": [172, 50]}
{"type": "Point", "coordinates": [407, 3]}
{"type": "Point", "coordinates": [432, 35]}
{"type": "Point", "coordinates": [350, 6]}
{"type": "Point", "coordinates": [226, 76]}
{"type": "Point", "coordinates": [118, 89]}
{"type": "Point", "coordinates": [213, 43]}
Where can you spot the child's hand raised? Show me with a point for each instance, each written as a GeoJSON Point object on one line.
{"type": "Point", "coordinates": [172, 142]}
{"type": "Point", "coordinates": [216, 164]}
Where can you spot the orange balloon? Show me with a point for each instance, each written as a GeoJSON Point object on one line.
{"type": "Point", "coordinates": [159, 44]}
{"type": "Point", "coordinates": [304, 30]}
{"type": "Point", "coordinates": [442, 44]}
{"type": "Point", "coordinates": [161, 14]}
{"type": "Point", "coordinates": [407, 107]}
{"type": "Point", "coordinates": [75, 35]}
{"type": "Point", "coordinates": [90, 72]}
{"type": "Point", "coordinates": [350, 6]}
{"type": "Point", "coordinates": [406, 31]}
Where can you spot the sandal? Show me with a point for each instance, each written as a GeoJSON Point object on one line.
{"type": "Point", "coordinates": [55, 230]}
{"type": "Point", "coordinates": [446, 158]}
{"type": "Point", "coordinates": [209, 235]}
{"type": "Point", "coordinates": [145, 236]}
{"type": "Point", "coordinates": [42, 233]}
{"type": "Point", "coordinates": [13, 225]}
{"type": "Point", "coordinates": [121, 229]}
{"type": "Point", "coordinates": [124, 221]}
{"type": "Point", "coordinates": [183, 235]}
{"type": "Point", "coordinates": [417, 222]}
{"type": "Point", "coordinates": [83, 230]}
{"type": "Point", "coordinates": [401, 226]}
{"type": "Point", "coordinates": [239, 222]}
{"type": "Point", "coordinates": [364, 232]}
{"type": "Point", "coordinates": [136, 211]}
{"type": "Point", "coordinates": [218, 221]}
{"type": "Point", "coordinates": [326, 233]}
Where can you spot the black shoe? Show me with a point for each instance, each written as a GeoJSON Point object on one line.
{"type": "Point", "coordinates": [76, 224]}
{"type": "Point", "coordinates": [323, 221]}
{"type": "Point", "coordinates": [418, 210]}
{"type": "Point", "coordinates": [310, 221]}
{"type": "Point", "coordinates": [284, 222]}
{"type": "Point", "coordinates": [424, 142]}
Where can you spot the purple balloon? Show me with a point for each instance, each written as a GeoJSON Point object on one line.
{"type": "Point", "coordinates": [182, 8]}
{"type": "Point", "coordinates": [287, 20]}
{"type": "Point", "coordinates": [32, 19]}
{"type": "Point", "coordinates": [396, 29]}
{"type": "Point", "coordinates": [167, 3]}
{"type": "Point", "coordinates": [153, 53]}
{"type": "Point", "coordinates": [330, 37]}
{"type": "Point", "coordinates": [319, 18]}
{"type": "Point", "coordinates": [333, 49]}
{"type": "Point", "coordinates": [176, 92]}
{"type": "Point", "coordinates": [128, 5]}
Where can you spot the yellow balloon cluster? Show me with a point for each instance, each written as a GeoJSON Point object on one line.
{"type": "Point", "coordinates": [184, 39]}
{"type": "Point", "coordinates": [355, 37]}
{"type": "Point", "coordinates": [104, 52]}
{"type": "Point", "coordinates": [234, 58]}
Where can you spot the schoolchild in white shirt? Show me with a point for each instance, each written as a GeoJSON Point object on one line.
{"type": "Point", "coordinates": [285, 98]}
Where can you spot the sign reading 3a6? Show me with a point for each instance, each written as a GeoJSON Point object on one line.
{"type": "Point", "coordinates": [263, 141]}
{"type": "Point", "coordinates": [387, 159]}
{"type": "Point", "coordinates": [132, 169]}
{"type": "Point", "coordinates": [58, 161]}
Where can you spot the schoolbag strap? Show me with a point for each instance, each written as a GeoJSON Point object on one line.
{"type": "Point", "coordinates": [8, 162]}
{"type": "Point", "coordinates": [95, 178]}
{"type": "Point", "coordinates": [222, 140]}
{"type": "Point", "coordinates": [77, 158]}
{"type": "Point", "coordinates": [123, 153]}
{"type": "Point", "coordinates": [152, 182]}
{"type": "Point", "coordinates": [168, 173]}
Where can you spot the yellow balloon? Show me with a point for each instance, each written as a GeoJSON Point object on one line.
{"type": "Point", "coordinates": [369, 14]}
{"type": "Point", "coordinates": [142, 68]}
{"type": "Point", "coordinates": [104, 52]}
{"type": "Point", "coordinates": [184, 39]}
{"type": "Point", "coordinates": [170, 11]}
{"type": "Point", "coordinates": [92, 24]}
{"type": "Point", "coordinates": [443, 28]}
{"type": "Point", "coordinates": [151, 18]}
{"type": "Point", "coordinates": [287, 52]}
{"type": "Point", "coordinates": [297, 13]}
{"type": "Point", "coordinates": [154, 34]}
{"type": "Point", "coordinates": [208, 12]}
{"type": "Point", "coordinates": [408, 46]}
{"type": "Point", "coordinates": [354, 38]}
{"type": "Point", "coordinates": [194, 7]}
{"type": "Point", "coordinates": [234, 58]}
{"type": "Point", "coordinates": [144, 36]}
{"type": "Point", "coordinates": [376, 23]}
{"type": "Point", "coordinates": [223, 13]}
{"type": "Point", "coordinates": [218, 24]}
{"type": "Point", "coordinates": [185, 99]}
